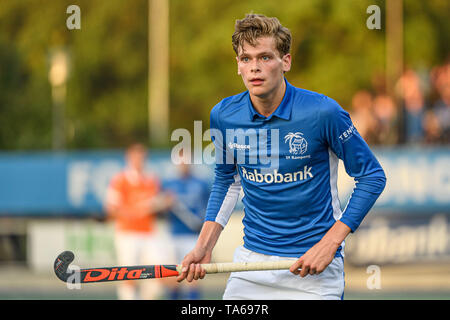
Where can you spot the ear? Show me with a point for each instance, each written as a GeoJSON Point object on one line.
{"type": "Point", "coordinates": [286, 60]}
{"type": "Point", "coordinates": [237, 61]}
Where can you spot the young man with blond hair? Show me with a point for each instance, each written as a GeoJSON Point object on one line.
{"type": "Point", "coordinates": [292, 210]}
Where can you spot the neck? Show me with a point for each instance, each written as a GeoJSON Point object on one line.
{"type": "Point", "coordinates": [135, 171]}
{"type": "Point", "coordinates": [266, 105]}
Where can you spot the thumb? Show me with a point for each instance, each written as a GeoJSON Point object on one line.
{"type": "Point", "coordinates": [184, 269]}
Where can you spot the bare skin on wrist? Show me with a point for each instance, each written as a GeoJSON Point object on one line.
{"type": "Point", "coordinates": [316, 259]}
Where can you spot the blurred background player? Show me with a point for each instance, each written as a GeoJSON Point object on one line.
{"type": "Point", "coordinates": [133, 200]}
{"type": "Point", "coordinates": [186, 218]}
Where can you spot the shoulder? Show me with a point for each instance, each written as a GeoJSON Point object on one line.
{"type": "Point", "coordinates": [316, 107]}
{"type": "Point", "coordinates": [326, 107]}
{"type": "Point", "coordinates": [319, 101]}
{"type": "Point", "coordinates": [229, 105]}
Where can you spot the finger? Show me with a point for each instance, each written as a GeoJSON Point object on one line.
{"type": "Point", "coordinates": [202, 274]}
{"type": "Point", "coordinates": [320, 269]}
{"type": "Point", "coordinates": [296, 266]}
{"type": "Point", "coordinates": [197, 272]}
{"type": "Point", "coordinates": [304, 271]}
{"type": "Point", "coordinates": [190, 274]}
{"type": "Point", "coordinates": [312, 271]}
{"type": "Point", "coordinates": [182, 274]}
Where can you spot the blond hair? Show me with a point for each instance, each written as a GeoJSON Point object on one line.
{"type": "Point", "coordinates": [254, 26]}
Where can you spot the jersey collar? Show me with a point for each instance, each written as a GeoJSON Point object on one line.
{"type": "Point", "coordinates": [283, 111]}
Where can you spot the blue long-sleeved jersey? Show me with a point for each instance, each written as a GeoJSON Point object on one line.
{"type": "Point", "coordinates": [287, 165]}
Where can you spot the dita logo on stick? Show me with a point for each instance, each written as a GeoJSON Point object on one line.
{"type": "Point", "coordinates": [113, 274]}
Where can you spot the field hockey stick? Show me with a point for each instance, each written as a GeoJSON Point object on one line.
{"type": "Point", "coordinates": [151, 271]}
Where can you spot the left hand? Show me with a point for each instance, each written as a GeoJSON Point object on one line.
{"type": "Point", "coordinates": [316, 259]}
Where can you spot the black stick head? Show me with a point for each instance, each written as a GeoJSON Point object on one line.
{"type": "Point", "coordinates": [62, 263]}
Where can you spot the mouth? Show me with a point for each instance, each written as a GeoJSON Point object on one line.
{"type": "Point", "coordinates": [256, 81]}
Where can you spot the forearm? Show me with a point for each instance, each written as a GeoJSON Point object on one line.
{"type": "Point", "coordinates": [191, 263]}
{"type": "Point", "coordinates": [317, 258]}
{"type": "Point", "coordinates": [365, 193]}
{"type": "Point", "coordinates": [337, 233]}
{"type": "Point", "coordinates": [209, 235]}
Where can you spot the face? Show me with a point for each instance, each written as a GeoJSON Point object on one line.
{"type": "Point", "coordinates": [184, 169]}
{"type": "Point", "coordinates": [136, 159]}
{"type": "Point", "coordinates": [261, 67]}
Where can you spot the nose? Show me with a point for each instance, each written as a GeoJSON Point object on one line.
{"type": "Point", "coordinates": [254, 67]}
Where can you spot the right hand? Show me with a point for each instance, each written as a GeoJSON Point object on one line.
{"type": "Point", "coordinates": [191, 265]}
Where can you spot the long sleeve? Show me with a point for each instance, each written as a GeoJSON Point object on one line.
{"type": "Point", "coordinates": [226, 187]}
{"type": "Point", "coordinates": [360, 163]}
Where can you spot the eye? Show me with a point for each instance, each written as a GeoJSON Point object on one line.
{"type": "Point", "coordinates": [244, 59]}
{"type": "Point", "coordinates": [265, 58]}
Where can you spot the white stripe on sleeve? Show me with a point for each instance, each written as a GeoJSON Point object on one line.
{"type": "Point", "coordinates": [229, 202]}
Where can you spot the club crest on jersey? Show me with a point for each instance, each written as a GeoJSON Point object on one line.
{"type": "Point", "coordinates": [297, 143]}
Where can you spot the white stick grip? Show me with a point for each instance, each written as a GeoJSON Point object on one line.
{"type": "Point", "coordinates": [247, 266]}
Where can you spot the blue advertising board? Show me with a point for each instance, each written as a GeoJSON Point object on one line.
{"type": "Point", "coordinates": [74, 183]}
{"type": "Point", "coordinates": [418, 179]}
